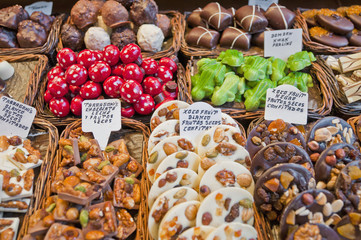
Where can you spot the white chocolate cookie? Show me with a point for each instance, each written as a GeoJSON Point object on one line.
{"type": "Point", "coordinates": [233, 231]}
{"type": "Point", "coordinates": [200, 232]}
{"type": "Point", "coordinates": [166, 129]}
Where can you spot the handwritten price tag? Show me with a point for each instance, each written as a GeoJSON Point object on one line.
{"type": "Point", "coordinates": [282, 43]}
{"type": "Point", "coordinates": [101, 117]}
{"type": "Point", "coordinates": [197, 118]}
{"type": "Point", "coordinates": [262, 3]}
{"type": "Point", "coordinates": [45, 7]}
{"type": "Point", "coordinates": [288, 103]}
{"type": "Point", "coordinates": [16, 118]}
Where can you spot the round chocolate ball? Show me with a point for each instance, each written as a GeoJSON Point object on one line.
{"type": "Point", "coordinates": [142, 12]}
{"type": "Point", "coordinates": [43, 19]}
{"type": "Point", "coordinates": [72, 37]}
{"type": "Point", "coordinates": [114, 14]}
{"type": "Point", "coordinates": [123, 36]}
{"type": "Point", "coordinates": [84, 13]}
{"type": "Point", "coordinates": [163, 22]}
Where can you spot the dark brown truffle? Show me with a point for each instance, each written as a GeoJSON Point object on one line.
{"type": "Point", "coordinates": [45, 20]}
{"type": "Point", "coordinates": [123, 36]}
{"type": "Point", "coordinates": [98, 4]}
{"type": "Point", "coordinates": [114, 14]}
{"type": "Point", "coordinates": [194, 19]}
{"type": "Point", "coordinates": [31, 34]}
{"type": "Point", "coordinates": [216, 16]}
{"type": "Point", "coordinates": [126, 3]}
{"type": "Point", "coordinates": [10, 17]}
{"type": "Point", "coordinates": [84, 13]}
{"type": "Point", "coordinates": [7, 38]}
{"type": "Point", "coordinates": [144, 11]}
{"type": "Point", "coordinates": [163, 22]}
{"type": "Point", "coordinates": [72, 37]}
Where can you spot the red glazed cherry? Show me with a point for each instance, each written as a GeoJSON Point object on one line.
{"type": "Point", "coordinates": [170, 89]}
{"type": "Point", "coordinates": [169, 63]}
{"type": "Point", "coordinates": [112, 86]}
{"type": "Point", "coordinates": [59, 106]}
{"type": "Point", "coordinates": [145, 105]}
{"type": "Point", "coordinates": [150, 66]}
{"type": "Point", "coordinates": [99, 55]}
{"type": "Point", "coordinates": [47, 96]}
{"type": "Point", "coordinates": [90, 90]}
{"type": "Point", "coordinates": [58, 87]}
{"type": "Point", "coordinates": [56, 71]}
{"type": "Point", "coordinates": [130, 53]}
{"type": "Point", "coordinates": [164, 101]}
{"type": "Point", "coordinates": [131, 91]}
{"type": "Point", "coordinates": [152, 86]}
{"type": "Point", "coordinates": [99, 71]}
{"type": "Point", "coordinates": [127, 110]}
{"type": "Point", "coordinates": [111, 55]}
{"type": "Point", "coordinates": [74, 89]}
{"type": "Point", "coordinates": [117, 70]}
{"type": "Point", "coordinates": [66, 57]}
{"type": "Point", "coordinates": [133, 72]}
{"type": "Point", "coordinates": [164, 74]}
{"type": "Point", "coordinates": [75, 105]}
{"type": "Point", "coordinates": [76, 75]}
{"type": "Point", "coordinates": [87, 58]}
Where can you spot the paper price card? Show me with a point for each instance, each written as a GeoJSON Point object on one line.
{"type": "Point", "coordinates": [197, 118]}
{"type": "Point", "coordinates": [45, 7]}
{"type": "Point", "coordinates": [282, 43]}
{"type": "Point", "coordinates": [262, 3]}
{"type": "Point", "coordinates": [288, 103]}
{"type": "Point", "coordinates": [16, 118]}
{"type": "Point", "coordinates": [101, 117]}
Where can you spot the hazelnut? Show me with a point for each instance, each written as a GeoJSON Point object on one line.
{"type": "Point", "coordinates": [331, 160]}
{"type": "Point", "coordinates": [191, 212]}
{"type": "Point", "coordinates": [307, 199]}
{"type": "Point", "coordinates": [313, 145]}
{"type": "Point", "coordinates": [340, 153]}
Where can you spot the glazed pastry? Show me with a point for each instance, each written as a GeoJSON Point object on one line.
{"type": "Point", "coordinates": [96, 38]}
{"type": "Point", "coordinates": [233, 231]}
{"type": "Point", "coordinates": [150, 38]}
{"type": "Point", "coordinates": [10, 17]}
{"type": "Point", "coordinates": [164, 203]}
{"type": "Point", "coordinates": [355, 38]}
{"type": "Point", "coordinates": [166, 129]}
{"type": "Point", "coordinates": [235, 38]}
{"type": "Point", "coordinates": [325, 37]}
{"type": "Point", "coordinates": [313, 231]}
{"type": "Point", "coordinates": [7, 38]}
{"type": "Point", "coordinates": [143, 12]}
{"type": "Point", "coordinates": [72, 37]}
{"type": "Point", "coordinates": [216, 16]}
{"type": "Point", "coordinates": [31, 34]}
{"type": "Point", "coordinates": [202, 37]}
{"type": "Point", "coordinates": [276, 153]}
{"type": "Point", "coordinates": [84, 13]}
{"type": "Point", "coordinates": [194, 19]}
{"type": "Point", "coordinates": [279, 185]}
{"type": "Point", "coordinates": [334, 22]}
{"type": "Point", "coordinates": [43, 19]}
{"type": "Point", "coordinates": [200, 232]}
{"type": "Point", "coordinates": [349, 226]}
{"type": "Point", "coordinates": [163, 22]}
{"type": "Point", "coordinates": [310, 16]}
{"type": "Point", "coordinates": [353, 13]}
{"type": "Point", "coordinates": [251, 19]}
{"type": "Point", "coordinates": [123, 36]}
{"type": "Point", "coordinates": [114, 14]}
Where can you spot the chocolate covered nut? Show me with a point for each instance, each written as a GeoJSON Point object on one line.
{"type": "Point", "coordinates": [279, 17]}
{"type": "Point", "coordinates": [123, 36]}
{"type": "Point", "coordinates": [349, 226]}
{"type": "Point", "coordinates": [354, 38]}
{"type": "Point", "coordinates": [310, 17]}
{"type": "Point", "coordinates": [7, 38]}
{"type": "Point", "coordinates": [325, 37]}
{"type": "Point", "coordinates": [235, 38]}
{"type": "Point", "coordinates": [72, 37]}
{"type": "Point", "coordinates": [10, 17]}
{"type": "Point", "coordinates": [31, 34]}
{"type": "Point", "coordinates": [334, 22]}
{"type": "Point", "coordinates": [251, 19]}
{"type": "Point", "coordinates": [216, 16]}
{"type": "Point", "coordinates": [354, 14]}
{"type": "Point", "coordinates": [313, 231]}
{"type": "Point", "coordinates": [194, 19]}
{"type": "Point", "coordinates": [163, 22]}
{"type": "Point", "coordinates": [84, 13]}
{"type": "Point", "coordinates": [114, 14]}
{"type": "Point", "coordinates": [202, 37]}
{"type": "Point", "coordinates": [258, 38]}
{"type": "Point", "coordinates": [45, 20]}
{"type": "Point", "coordinates": [142, 12]}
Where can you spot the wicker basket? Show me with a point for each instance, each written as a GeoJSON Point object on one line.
{"type": "Point", "coordinates": [34, 77]}
{"type": "Point", "coordinates": [173, 44]}
{"type": "Point", "coordinates": [316, 47]}
{"type": "Point", "coordinates": [316, 72]}
{"type": "Point", "coordinates": [51, 42]}
{"type": "Point", "coordinates": [43, 110]}
{"type": "Point", "coordinates": [41, 126]}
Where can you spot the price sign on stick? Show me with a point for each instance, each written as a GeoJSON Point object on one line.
{"type": "Point", "coordinates": [101, 117]}
{"type": "Point", "coordinates": [197, 118]}
{"type": "Point", "coordinates": [262, 3]}
{"type": "Point", "coordinates": [16, 118]}
{"type": "Point", "coordinates": [45, 7]}
{"type": "Point", "coordinates": [288, 103]}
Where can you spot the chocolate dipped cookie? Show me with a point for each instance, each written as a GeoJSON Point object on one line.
{"type": "Point", "coordinates": [328, 38]}
{"type": "Point", "coordinates": [314, 231]}
{"type": "Point", "coordinates": [310, 16]}
{"type": "Point", "coordinates": [354, 14]}
{"type": "Point", "coordinates": [216, 16]}
{"type": "Point", "coordinates": [251, 19]}
{"type": "Point", "coordinates": [203, 37]}
{"type": "Point", "coordinates": [234, 38]}
{"type": "Point", "coordinates": [354, 38]}
{"type": "Point", "coordinates": [334, 22]}
{"type": "Point", "coordinates": [280, 17]}
{"type": "Point", "coordinates": [349, 226]}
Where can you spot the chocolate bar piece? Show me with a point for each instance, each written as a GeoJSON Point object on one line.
{"type": "Point", "coordinates": [203, 37]}
{"type": "Point", "coordinates": [216, 16]}
{"type": "Point", "coordinates": [350, 63]}
{"type": "Point", "coordinates": [352, 92]}
{"type": "Point", "coordinates": [235, 38]}
{"type": "Point", "coordinates": [279, 17]}
{"type": "Point", "coordinates": [195, 20]}
{"type": "Point", "coordinates": [251, 19]}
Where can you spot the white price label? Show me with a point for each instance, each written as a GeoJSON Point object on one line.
{"type": "Point", "coordinates": [197, 118]}
{"type": "Point", "coordinates": [16, 118]}
{"type": "Point", "coordinates": [45, 7]}
{"type": "Point", "coordinates": [101, 117]}
{"type": "Point", "coordinates": [288, 103]}
{"type": "Point", "coordinates": [262, 3]}
{"type": "Point", "coordinates": [282, 43]}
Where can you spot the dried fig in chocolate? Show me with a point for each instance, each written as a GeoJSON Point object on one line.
{"type": "Point", "coordinates": [216, 16]}
{"type": "Point", "coordinates": [31, 34]}
{"type": "Point", "coordinates": [10, 17]}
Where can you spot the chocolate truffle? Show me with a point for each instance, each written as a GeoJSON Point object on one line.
{"type": "Point", "coordinates": [194, 19]}
{"type": "Point", "coordinates": [216, 16]}
{"type": "Point", "coordinates": [7, 38]}
{"type": "Point", "coordinates": [84, 13]}
{"type": "Point", "coordinates": [150, 38]}
{"type": "Point", "coordinates": [144, 11]}
{"type": "Point", "coordinates": [98, 5]}
{"type": "Point", "coordinates": [126, 3]}
{"type": "Point", "coordinates": [43, 19]}
{"type": "Point", "coordinates": [31, 34]}
{"type": "Point", "coordinates": [235, 38]}
{"type": "Point", "coordinates": [251, 19]}
{"type": "Point", "coordinates": [72, 37]}
{"type": "Point", "coordinates": [96, 38]}
{"type": "Point", "coordinates": [355, 38]}
{"type": "Point", "coordinates": [10, 17]}
{"type": "Point", "coordinates": [163, 22]}
{"type": "Point", "coordinates": [279, 17]}
{"type": "Point", "coordinates": [354, 14]}
{"type": "Point", "coordinates": [334, 22]}
{"type": "Point", "coordinates": [258, 38]}
{"type": "Point", "coordinates": [310, 16]}
{"type": "Point", "coordinates": [123, 36]}
{"type": "Point", "coordinates": [114, 14]}
{"type": "Point", "coordinates": [325, 37]}
{"type": "Point", "coordinates": [202, 37]}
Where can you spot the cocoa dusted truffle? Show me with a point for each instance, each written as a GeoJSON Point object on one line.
{"type": "Point", "coordinates": [7, 38]}
{"type": "Point", "coordinates": [126, 3]}
{"type": "Point", "coordinates": [163, 22]}
{"type": "Point", "coordinates": [72, 37]}
{"type": "Point", "coordinates": [194, 19]}
{"type": "Point", "coordinates": [123, 36]}
{"type": "Point", "coordinates": [96, 38]}
{"type": "Point", "coordinates": [84, 13]}
{"type": "Point", "coordinates": [150, 38]}
{"type": "Point", "coordinates": [31, 34]}
{"type": "Point", "coordinates": [216, 16]}
{"type": "Point", "coordinates": [43, 19]}
{"type": "Point", "coordinates": [144, 11]}
{"type": "Point", "coordinates": [114, 14]}
{"type": "Point", "coordinates": [10, 17]}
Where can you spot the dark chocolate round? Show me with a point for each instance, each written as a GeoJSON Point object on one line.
{"type": "Point", "coordinates": [279, 17]}
{"type": "Point", "coordinates": [335, 23]}
{"type": "Point", "coordinates": [310, 17]}
{"type": "Point", "coordinates": [142, 12]}
{"type": "Point", "coordinates": [235, 38]}
{"type": "Point", "coordinates": [251, 19]}
{"type": "Point", "coordinates": [216, 16]}
{"type": "Point", "coordinates": [331, 40]}
{"type": "Point", "coordinates": [194, 19]}
{"type": "Point", "coordinates": [31, 34]}
{"type": "Point", "coordinates": [312, 231]}
{"type": "Point", "coordinates": [123, 36]}
{"type": "Point", "coordinates": [72, 37]}
{"type": "Point", "coordinates": [349, 226]}
{"type": "Point", "coordinates": [114, 14]}
{"type": "Point", "coordinates": [202, 37]}
{"type": "Point", "coordinates": [7, 38]}
{"type": "Point", "coordinates": [163, 22]}
{"type": "Point", "coordinates": [354, 38]}
{"type": "Point", "coordinates": [45, 20]}
{"type": "Point", "coordinates": [356, 20]}
{"type": "Point", "coordinates": [276, 153]}
{"type": "Point", "coordinates": [84, 13]}
{"type": "Point", "coordinates": [10, 17]}
{"type": "Point", "coordinates": [279, 185]}
{"type": "Point", "coordinates": [348, 187]}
